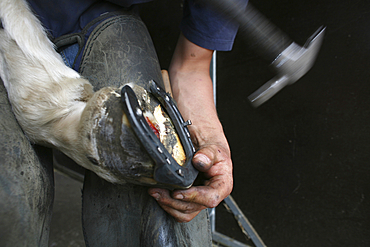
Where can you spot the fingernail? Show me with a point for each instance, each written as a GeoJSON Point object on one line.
{"type": "Point", "coordinates": [179, 196]}
{"type": "Point", "coordinates": [156, 196]}
{"type": "Point", "coordinates": [202, 159]}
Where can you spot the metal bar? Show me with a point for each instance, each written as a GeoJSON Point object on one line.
{"type": "Point", "coordinates": [227, 241]}
{"type": "Point", "coordinates": [243, 222]}
{"type": "Point", "coordinates": [246, 227]}
{"type": "Point", "coordinates": [213, 75]}
{"type": "Point", "coordinates": [212, 211]}
{"type": "Point", "coordinates": [218, 237]}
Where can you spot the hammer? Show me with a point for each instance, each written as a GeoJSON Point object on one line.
{"type": "Point", "coordinates": [289, 60]}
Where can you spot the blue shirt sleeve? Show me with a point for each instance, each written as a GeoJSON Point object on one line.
{"type": "Point", "coordinates": [207, 28]}
{"type": "Point", "coordinates": [71, 16]}
{"type": "Point", "coordinates": [200, 24]}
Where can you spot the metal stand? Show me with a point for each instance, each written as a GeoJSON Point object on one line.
{"type": "Point", "coordinates": [246, 227]}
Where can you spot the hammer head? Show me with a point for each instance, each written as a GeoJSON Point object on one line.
{"type": "Point", "coordinates": [291, 64]}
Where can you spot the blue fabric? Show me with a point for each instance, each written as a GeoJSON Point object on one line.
{"type": "Point", "coordinates": [201, 25]}
{"type": "Point", "coordinates": [69, 55]}
{"type": "Point", "coordinates": [207, 28]}
{"type": "Point", "coordinates": [71, 16]}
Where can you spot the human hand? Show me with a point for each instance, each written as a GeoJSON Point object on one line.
{"type": "Point", "coordinates": [215, 162]}
{"type": "Point", "coordinates": [192, 90]}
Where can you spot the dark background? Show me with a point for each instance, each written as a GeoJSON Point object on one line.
{"type": "Point", "coordinates": [301, 162]}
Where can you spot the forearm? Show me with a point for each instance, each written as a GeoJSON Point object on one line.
{"type": "Point", "coordinates": [192, 89]}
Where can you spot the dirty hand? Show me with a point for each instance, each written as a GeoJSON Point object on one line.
{"type": "Point", "coordinates": [215, 162]}
{"type": "Point", "coordinates": [192, 89]}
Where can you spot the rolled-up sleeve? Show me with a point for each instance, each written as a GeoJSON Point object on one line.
{"type": "Point", "coordinates": [208, 28]}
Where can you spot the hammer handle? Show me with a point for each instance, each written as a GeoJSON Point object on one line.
{"type": "Point", "coordinates": [259, 31]}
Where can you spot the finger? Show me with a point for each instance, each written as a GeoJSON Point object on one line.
{"type": "Point", "coordinates": [204, 159]}
{"type": "Point", "coordinates": [208, 196]}
{"type": "Point", "coordinates": [180, 216]}
{"type": "Point", "coordinates": [164, 198]}
{"type": "Point", "coordinates": [209, 155]}
{"type": "Point", "coordinates": [180, 210]}
{"type": "Point", "coordinates": [202, 162]}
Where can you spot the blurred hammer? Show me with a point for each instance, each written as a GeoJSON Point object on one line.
{"type": "Point", "coordinates": [290, 60]}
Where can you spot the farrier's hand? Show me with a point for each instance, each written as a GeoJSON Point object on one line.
{"type": "Point", "coordinates": [192, 89]}
{"type": "Point", "coordinates": [212, 159]}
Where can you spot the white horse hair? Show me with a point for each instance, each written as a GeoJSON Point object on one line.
{"type": "Point", "coordinates": [48, 98]}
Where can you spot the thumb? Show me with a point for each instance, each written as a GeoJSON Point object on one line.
{"type": "Point", "coordinates": [204, 159]}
